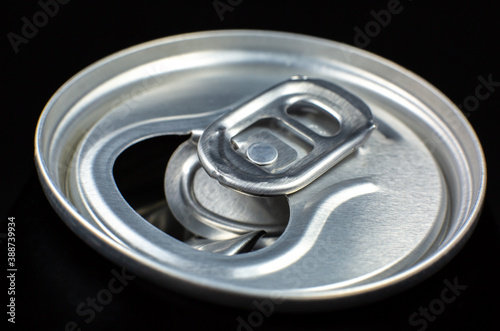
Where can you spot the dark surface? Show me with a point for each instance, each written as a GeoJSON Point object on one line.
{"type": "Point", "coordinates": [448, 44]}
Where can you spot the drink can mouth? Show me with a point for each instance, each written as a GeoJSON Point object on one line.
{"type": "Point", "coordinates": [393, 209]}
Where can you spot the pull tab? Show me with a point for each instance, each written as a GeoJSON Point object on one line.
{"type": "Point", "coordinates": [285, 138]}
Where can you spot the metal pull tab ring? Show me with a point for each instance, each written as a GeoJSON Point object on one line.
{"type": "Point", "coordinates": [285, 138]}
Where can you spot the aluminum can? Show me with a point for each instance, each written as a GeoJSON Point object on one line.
{"type": "Point", "coordinates": [300, 170]}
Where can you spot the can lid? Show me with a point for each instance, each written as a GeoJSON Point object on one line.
{"type": "Point", "coordinates": [384, 216]}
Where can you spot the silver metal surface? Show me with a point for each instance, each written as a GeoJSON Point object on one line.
{"type": "Point", "coordinates": [262, 153]}
{"type": "Point", "coordinates": [242, 244]}
{"type": "Point", "coordinates": [383, 218]}
{"type": "Point", "coordinates": [207, 209]}
{"type": "Point", "coordinates": [284, 118]}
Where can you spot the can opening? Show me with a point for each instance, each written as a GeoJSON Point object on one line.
{"type": "Point", "coordinates": [138, 173]}
{"type": "Point", "coordinates": [229, 222]}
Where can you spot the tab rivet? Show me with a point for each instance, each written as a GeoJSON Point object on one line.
{"type": "Point", "coordinates": [262, 154]}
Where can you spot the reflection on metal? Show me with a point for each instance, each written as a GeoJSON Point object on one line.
{"type": "Point", "coordinates": [207, 209]}
{"type": "Point", "coordinates": [382, 218]}
{"type": "Point", "coordinates": [241, 244]}
{"type": "Point", "coordinates": [241, 148]}
{"type": "Point", "coordinates": [247, 149]}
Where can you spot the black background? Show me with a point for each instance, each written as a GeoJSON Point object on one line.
{"type": "Point", "coordinates": [450, 44]}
